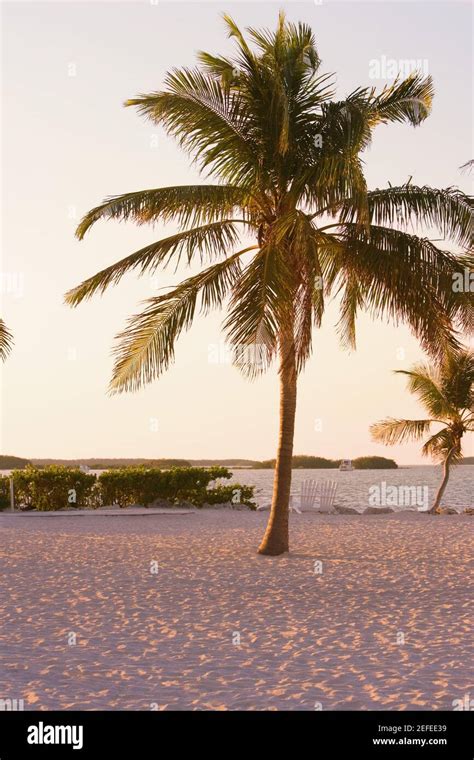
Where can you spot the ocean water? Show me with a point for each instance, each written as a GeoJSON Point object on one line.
{"type": "Point", "coordinates": [360, 488]}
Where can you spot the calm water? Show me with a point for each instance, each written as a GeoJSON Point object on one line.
{"type": "Point", "coordinates": [353, 487]}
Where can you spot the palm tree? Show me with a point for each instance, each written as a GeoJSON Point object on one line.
{"type": "Point", "coordinates": [447, 393]}
{"type": "Point", "coordinates": [6, 340]}
{"type": "Point", "coordinates": [286, 162]}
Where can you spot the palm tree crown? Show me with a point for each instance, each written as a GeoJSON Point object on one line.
{"type": "Point", "coordinates": [287, 160]}
{"type": "Point", "coordinates": [447, 394]}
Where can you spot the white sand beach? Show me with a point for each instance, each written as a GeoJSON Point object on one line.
{"type": "Point", "coordinates": [385, 625]}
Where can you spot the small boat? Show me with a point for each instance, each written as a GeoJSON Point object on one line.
{"type": "Point", "coordinates": [84, 468]}
{"type": "Point", "coordinates": [346, 465]}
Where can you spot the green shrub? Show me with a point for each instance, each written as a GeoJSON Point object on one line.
{"type": "Point", "coordinates": [53, 488]}
{"type": "Point", "coordinates": [141, 485]}
{"type": "Point", "coordinates": [4, 492]}
{"type": "Point", "coordinates": [235, 493]}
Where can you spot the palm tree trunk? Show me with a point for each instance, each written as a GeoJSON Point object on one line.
{"type": "Point", "coordinates": [276, 538]}
{"type": "Point", "coordinates": [443, 484]}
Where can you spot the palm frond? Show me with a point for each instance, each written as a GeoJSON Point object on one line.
{"type": "Point", "coordinates": [208, 121]}
{"type": "Point", "coordinates": [209, 241]}
{"type": "Point", "coordinates": [457, 379]}
{"type": "Point", "coordinates": [234, 31]}
{"type": "Point", "coordinates": [220, 67]}
{"type": "Point", "coordinates": [345, 125]}
{"type": "Point", "coordinates": [186, 204]}
{"type": "Point", "coordinates": [442, 444]}
{"type": "Point", "coordinates": [392, 431]}
{"type": "Point", "coordinates": [6, 341]}
{"type": "Point", "coordinates": [336, 178]}
{"type": "Point", "coordinates": [408, 100]}
{"type": "Point", "coordinates": [352, 301]}
{"type": "Point", "coordinates": [405, 278]}
{"type": "Point", "coordinates": [146, 346]}
{"type": "Point", "coordinates": [424, 381]}
{"type": "Point", "coordinates": [308, 299]}
{"type": "Point", "coordinates": [448, 210]}
{"type": "Point", "coordinates": [254, 317]}
{"type": "Point", "coordinates": [292, 43]}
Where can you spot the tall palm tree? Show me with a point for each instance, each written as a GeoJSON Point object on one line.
{"type": "Point", "coordinates": [6, 340]}
{"type": "Point", "coordinates": [447, 393]}
{"type": "Point", "coordinates": [288, 173]}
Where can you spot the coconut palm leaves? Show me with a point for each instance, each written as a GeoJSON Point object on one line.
{"type": "Point", "coordinates": [208, 241]}
{"type": "Point", "coordinates": [208, 122]}
{"type": "Point", "coordinates": [446, 391]}
{"type": "Point", "coordinates": [6, 340]}
{"type": "Point", "coordinates": [382, 261]}
{"type": "Point", "coordinates": [445, 210]}
{"type": "Point", "coordinates": [192, 205]}
{"type": "Point", "coordinates": [147, 346]}
{"type": "Point", "coordinates": [254, 122]}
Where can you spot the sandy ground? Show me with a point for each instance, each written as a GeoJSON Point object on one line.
{"type": "Point", "coordinates": [386, 624]}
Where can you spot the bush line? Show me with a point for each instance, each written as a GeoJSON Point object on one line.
{"type": "Point", "coordinates": [52, 488]}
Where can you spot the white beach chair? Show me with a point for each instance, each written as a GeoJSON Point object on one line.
{"type": "Point", "coordinates": [305, 497]}
{"type": "Point", "coordinates": [309, 493]}
{"type": "Point", "coordinates": [327, 495]}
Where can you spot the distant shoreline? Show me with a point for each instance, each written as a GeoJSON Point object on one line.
{"type": "Point", "coordinates": [300, 462]}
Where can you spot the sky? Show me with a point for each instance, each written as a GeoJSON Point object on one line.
{"type": "Point", "coordinates": [67, 143]}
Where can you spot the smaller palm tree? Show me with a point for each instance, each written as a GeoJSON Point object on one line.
{"type": "Point", "coordinates": [446, 392]}
{"type": "Point", "coordinates": [6, 340]}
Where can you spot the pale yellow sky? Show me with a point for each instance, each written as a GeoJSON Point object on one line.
{"type": "Point", "coordinates": [68, 143]}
